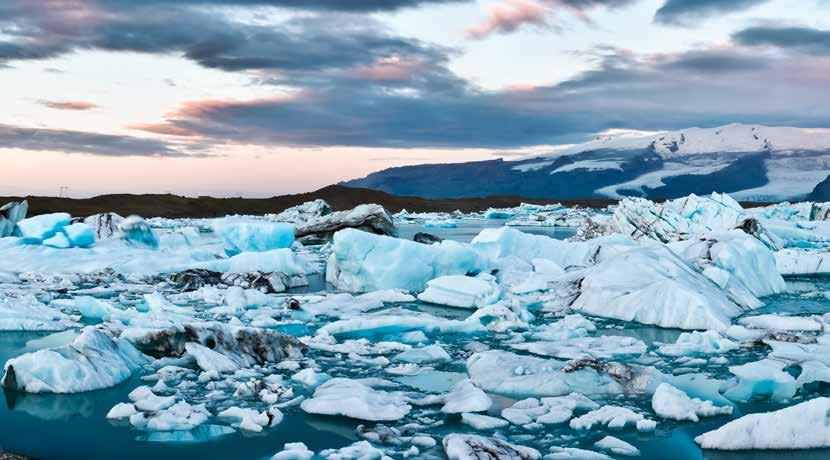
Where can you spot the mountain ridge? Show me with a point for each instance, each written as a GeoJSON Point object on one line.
{"type": "Point", "coordinates": [753, 162]}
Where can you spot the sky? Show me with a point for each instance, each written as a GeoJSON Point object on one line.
{"type": "Point", "coordinates": [267, 97]}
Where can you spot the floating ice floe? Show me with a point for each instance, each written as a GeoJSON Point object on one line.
{"type": "Point", "coordinates": [461, 291]}
{"type": "Point", "coordinates": [697, 343]}
{"type": "Point", "coordinates": [28, 314]}
{"type": "Point", "coordinates": [802, 426]}
{"type": "Point", "coordinates": [94, 360]}
{"type": "Point", "coordinates": [617, 446]}
{"type": "Point", "coordinates": [513, 375]}
{"type": "Point", "coordinates": [398, 321]}
{"type": "Point", "coordinates": [473, 447]}
{"type": "Point", "coordinates": [356, 399]}
{"type": "Point", "coordinates": [466, 397]}
{"type": "Point", "coordinates": [669, 402]}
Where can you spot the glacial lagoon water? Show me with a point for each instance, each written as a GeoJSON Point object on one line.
{"type": "Point", "coordinates": [75, 427]}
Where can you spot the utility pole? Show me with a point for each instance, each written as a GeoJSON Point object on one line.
{"type": "Point", "coordinates": [64, 192]}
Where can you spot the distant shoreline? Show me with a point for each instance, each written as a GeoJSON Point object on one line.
{"type": "Point", "coordinates": [338, 196]}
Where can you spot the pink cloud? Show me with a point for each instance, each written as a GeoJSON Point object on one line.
{"type": "Point", "coordinates": [507, 16]}
{"type": "Point", "coordinates": [68, 105]}
{"type": "Point", "coordinates": [390, 69]}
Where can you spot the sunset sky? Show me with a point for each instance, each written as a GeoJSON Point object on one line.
{"type": "Point", "coordinates": [266, 97]}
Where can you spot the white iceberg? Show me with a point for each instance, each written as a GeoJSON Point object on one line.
{"type": "Point", "coordinates": [461, 291]}
{"type": "Point", "coordinates": [94, 360]}
{"type": "Point", "coordinates": [803, 426]}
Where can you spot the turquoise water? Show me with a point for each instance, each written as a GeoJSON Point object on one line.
{"type": "Point", "coordinates": [75, 427]}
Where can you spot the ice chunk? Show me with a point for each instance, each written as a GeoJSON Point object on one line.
{"type": "Point", "coordinates": [483, 422]}
{"type": "Point", "coordinates": [253, 236]}
{"type": "Point", "coordinates": [799, 262]}
{"type": "Point", "coordinates": [423, 355]}
{"type": "Point", "coordinates": [28, 314]}
{"type": "Point", "coordinates": [278, 260]}
{"type": "Point", "coordinates": [209, 360]}
{"type": "Point", "coordinates": [121, 410]}
{"type": "Point", "coordinates": [397, 321]}
{"type": "Point", "coordinates": [294, 450]}
{"type": "Point", "coordinates": [733, 257]}
{"type": "Point", "coordinates": [669, 402]}
{"type": "Point", "coordinates": [246, 419]}
{"type": "Point", "coordinates": [547, 411]}
{"type": "Point", "coordinates": [496, 243]}
{"type": "Point", "coordinates": [80, 235]}
{"type": "Point", "coordinates": [781, 323]}
{"type": "Point", "coordinates": [356, 399]}
{"type": "Point", "coordinates": [698, 343]}
{"type": "Point", "coordinates": [473, 447]}
{"type": "Point", "coordinates": [361, 450]}
{"type": "Point", "coordinates": [466, 397]}
{"type": "Point", "coordinates": [38, 228]}
{"type": "Point", "coordinates": [365, 262]}
{"type": "Point", "coordinates": [617, 446]}
{"type": "Point", "coordinates": [602, 347]}
{"type": "Point", "coordinates": [10, 214]}
{"type": "Point", "coordinates": [461, 291]}
{"type": "Point", "coordinates": [652, 285]}
{"type": "Point", "coordinates": [93, 361]}
{"type": "Point", "coordinates": [803, 426]}
{"type": "Point", "coordinates": [136, 232]}
{"type": "Point", "coordinates": [572, 453]}
{"type": "Point", "coordinates": [509, 374]}
{"type": "Point", "coordinates": [766, 377]}
{"type": "Point", "coordinates": [104, 225]}
{"type": "Point", "coordinates": [614, 417]}
{"type": "Point", "coordinates": [302, 213]}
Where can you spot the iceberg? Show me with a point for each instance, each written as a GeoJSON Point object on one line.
{"type": "Point", "coordinates": [473, 447]}
{"type": "Point", "coordinates": [398, 321]}
{"type": "Point", "coordinates": [10, 215]}
{"type": "Point", "coordinates": [652, 285]}
{"type": "Point", "coordinates": [137, 232]}
{"type": "Point", "coordinates": [370, 218]}
{"type": "Point", "coordinates": [513, 375]}
{"type": "Point", "coordinates": [617, 446]}
{"type": "Point", "coordinates": [766, 377]}
{"type": "Point", "coordinates": [466, 397]}
{"type": "Point", "coordinates": [356, 399]}
{"type": "Point", "coordinates": [802, 426]}
{"type": "Point", "coordinates": [310, 210]}
{"type": "Point", "coordinates": [461, 291]}
{"type": "Point", "coordinates": [602, 347]}
{"type": "Point", "coordinates": [94, 360]}
{"type": "Point", "coordinates": [80, 235]}
{"type": "Point", "coordinates": [38, 228]}
{"type": "Point", "coordinates": [253, 236]}
{"type": "Point", "coordinates": [363, 262]}
{"type": "Point", "coordinates": [105, 225]}
{"type": "Point", "coordinates": [735, 261]}
{"type": "Point", "coordinates": [29, 314]}
{"type": "Point", "coordinates": [669, 402]}
{"type": "Point", "coordinates": [496, 243]}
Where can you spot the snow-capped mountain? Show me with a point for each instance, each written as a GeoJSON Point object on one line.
{"type": "Point", "coordinates": [752, 162]}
